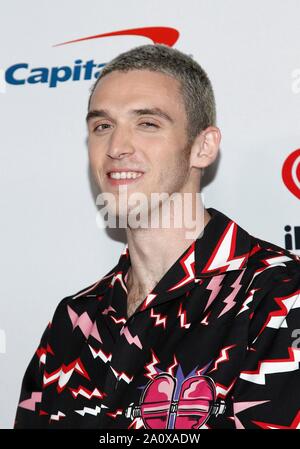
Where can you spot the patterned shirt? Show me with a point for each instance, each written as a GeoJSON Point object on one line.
{"type": "Point", "coordinates": [214, 345]}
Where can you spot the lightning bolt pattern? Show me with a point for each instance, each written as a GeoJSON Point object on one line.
{"type": "Point", "coordinates": [214, 344]}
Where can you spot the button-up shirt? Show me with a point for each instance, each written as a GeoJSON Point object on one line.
{"type": "Point", "coordinates": [215, 344]}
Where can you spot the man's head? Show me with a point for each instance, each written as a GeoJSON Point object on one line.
{"type": "Point", "coordinates": [152, 110]}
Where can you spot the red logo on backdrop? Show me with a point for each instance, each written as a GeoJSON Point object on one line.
{"type": "Point", "coordinates": [158, 35]}
{"type": "Point", "coordinates": [291, 173]}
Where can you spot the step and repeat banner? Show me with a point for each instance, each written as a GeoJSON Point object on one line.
{"type": "Point", "coordinates": [51, 53]}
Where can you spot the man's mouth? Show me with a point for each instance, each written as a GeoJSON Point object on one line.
{"type": "Point", "coordinates": [123, 177]}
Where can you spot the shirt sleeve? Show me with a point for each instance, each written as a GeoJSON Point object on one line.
{"type": "Point", "coordinates": [267, 391]}
{"type": "Point", "coordinates": [28, 414]}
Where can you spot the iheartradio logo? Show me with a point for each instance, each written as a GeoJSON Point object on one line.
{"type": "Point", "coordinates": [291, 173]}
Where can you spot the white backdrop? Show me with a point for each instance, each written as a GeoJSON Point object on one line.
{"type": "Point", "coordinates": [51, 246]}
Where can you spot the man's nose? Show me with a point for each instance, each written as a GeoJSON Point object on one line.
{"type": "Point", "coordinates": [120, 143]}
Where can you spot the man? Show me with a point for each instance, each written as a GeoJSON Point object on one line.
{"type": "Point", "coordinates": [191, 329]}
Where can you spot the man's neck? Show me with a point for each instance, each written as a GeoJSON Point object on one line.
{"type": "Point", "coordinates": [153, 251]}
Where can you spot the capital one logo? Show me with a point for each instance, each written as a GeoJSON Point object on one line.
{"type": "Point", "coordinates": [291, 173]}
{"type": "Point", "coordinates": [23, 74]}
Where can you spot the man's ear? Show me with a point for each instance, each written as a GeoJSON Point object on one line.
{"type": "Point", "coordinates": [205, 147]}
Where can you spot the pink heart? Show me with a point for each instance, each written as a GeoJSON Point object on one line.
{"type": "Point", "coordinates": [193, 408]}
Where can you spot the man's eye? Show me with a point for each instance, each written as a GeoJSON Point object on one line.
{"type": "Point", "coordinates": [103, 125]}
{"type": "Point", "coordinates": [149, 124]}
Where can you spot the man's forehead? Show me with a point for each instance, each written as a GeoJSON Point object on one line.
{"type": "Point", "coordinates": [142, 94]}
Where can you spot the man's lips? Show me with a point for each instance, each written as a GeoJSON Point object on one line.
{"type": "Point", "coordinates": [124, 169]}
{"type": "Point", "coordinates": [121, 181]}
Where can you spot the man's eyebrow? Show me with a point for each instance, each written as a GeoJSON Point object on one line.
{"type": "Point", "coordinates": [97, 113]}
{"type": "Point", "coordinates": [153, 111]}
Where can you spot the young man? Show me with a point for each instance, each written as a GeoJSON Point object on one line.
{"type": "Point", "coordinates": [190, 329]}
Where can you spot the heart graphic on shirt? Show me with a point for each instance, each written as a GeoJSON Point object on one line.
{"type": "Point", "coordinates": [291, 173]}
{"type": "Point", "coordinates": [159, 409]}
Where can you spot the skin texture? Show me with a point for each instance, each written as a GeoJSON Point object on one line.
{"type": "Point", "coordinates": [122, 139]}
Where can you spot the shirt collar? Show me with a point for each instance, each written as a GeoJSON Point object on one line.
{"type": "Point", "coordinates": [223, 246]}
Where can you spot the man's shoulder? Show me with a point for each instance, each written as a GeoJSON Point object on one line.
{"type": "Point", "coordinates": [274, 289]}
{"type": "Point", "coordinates": [267, 255]}
{"type": "Point", "coordinates": [86, 296]}
{"type": "Point", "coordinates": [96, 288]}
{"type": "Point", "coordinates": [275, 271]}
{"type": "Point", "coordinates": [226, 241]}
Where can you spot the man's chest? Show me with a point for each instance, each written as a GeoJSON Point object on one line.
{"type": "Point", "coordinates": [133, 302]}
{"type": "Point", "coordinates": [177, 358]}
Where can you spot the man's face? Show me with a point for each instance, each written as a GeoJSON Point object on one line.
{"type": "Point", "coordinates": [137, 122]}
